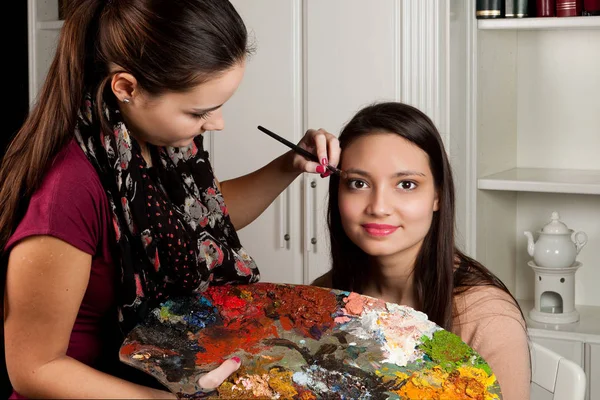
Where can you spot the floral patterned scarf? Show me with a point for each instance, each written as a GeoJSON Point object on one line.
{"type": "Point", "coordinates": [172, 228]}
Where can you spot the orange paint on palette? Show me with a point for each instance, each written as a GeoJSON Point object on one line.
{"type": "Point", "coordinates": [355, 304]}
{"type": "Point", "coordinates": [130, 348]}
{"type": "Point", "coordinates": [286, 322]}
{"type": "Point", "coordinates": [221, 342]}
{"type": "Point", "coordinates": [306, 395]}
{"type": "Point", "coordinates": [310, 312]}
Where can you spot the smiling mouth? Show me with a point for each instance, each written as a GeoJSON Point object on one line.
{"type": "Point", "coordinates": [379, 230]}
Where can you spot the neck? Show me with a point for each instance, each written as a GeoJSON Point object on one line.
{"type": "Point", "coordinates": [392, 278]}
{"type": "Point", "coordinates": [146, 153]}
{"type": "Point", "coordinates": [145, 149]}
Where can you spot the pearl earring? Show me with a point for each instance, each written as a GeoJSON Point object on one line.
{"type": "Point", "coordinates": [125, 100]}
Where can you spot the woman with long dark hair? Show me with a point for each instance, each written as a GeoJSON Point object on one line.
{"type": "Point", "coordinates": [108, 202]}
{"type": "Point", "coordinates": [391, 224]}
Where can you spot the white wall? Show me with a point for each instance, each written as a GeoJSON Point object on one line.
{"type": "Point", "coordinates": [558, 119]}
{"type": "Point", "coordinates": [558, 100]}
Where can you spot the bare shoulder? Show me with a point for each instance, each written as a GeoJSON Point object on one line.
{"type": "Point", "coordinates": [324, 280]}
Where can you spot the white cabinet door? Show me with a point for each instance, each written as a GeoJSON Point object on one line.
{"type": "Point", "coordinates": [592, 370]}
{"type": "Point", "coordinates": [270, 95]}
{"type": "Point", "coordinates": [539, 393]}
{"type": "Point", "coordinates": [573, 350]}
{"type": "Point", "coordinates": [352, 60]}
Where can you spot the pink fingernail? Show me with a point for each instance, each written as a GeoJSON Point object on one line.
{"type": "Point", "coordinates": [320, 169]}
{"type": "Point", "coordinates": [236, 359]}
{"type": "Point", "coordinates": [324, 161]}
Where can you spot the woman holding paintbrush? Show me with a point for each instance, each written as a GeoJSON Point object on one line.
{"type": "Point", "coordinates": [108, 203]}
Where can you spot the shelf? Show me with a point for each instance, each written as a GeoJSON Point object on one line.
{"type": "Point", "coordinates": [586, 329]}
{"type": "Point", "coordinates": [50, 25]}
{"type": "Point", "coordinates": [583, 22]}
{"type": "Point", "coordinates": [543, 180]}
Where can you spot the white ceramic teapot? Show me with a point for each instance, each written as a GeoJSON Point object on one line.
{"type": "Point", "coordinates": [557, 245]}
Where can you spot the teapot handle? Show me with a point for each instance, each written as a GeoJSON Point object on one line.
{"type": "Point", "coordinates": [580, 239]}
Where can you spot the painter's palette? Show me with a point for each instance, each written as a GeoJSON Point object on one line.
{"type": "Point", "coordinates": [305, 342]}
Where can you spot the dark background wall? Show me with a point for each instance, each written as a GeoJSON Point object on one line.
{"type": "Point", "coordinates": [15, 82]}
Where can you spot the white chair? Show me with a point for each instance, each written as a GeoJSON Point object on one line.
{"type": "Point", "coordinates": [561, 377]}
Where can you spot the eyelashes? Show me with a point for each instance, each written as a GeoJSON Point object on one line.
{"type": "Point", "coordinates": [411, 185]}
{"type": "Point", "coordinates": [359, 184]}
{"type": "Point", "coordinates": [201, 116]}
{"type": "Point", "coordinates": [356, 184]}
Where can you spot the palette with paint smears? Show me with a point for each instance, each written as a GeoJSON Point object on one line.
{"type": "Point", "coordinates": [305, 342]}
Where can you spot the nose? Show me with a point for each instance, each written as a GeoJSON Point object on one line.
{"type": "Point", "coordinates": [380, 203]}
{"type": "Point", "coordinates": [215, 122]}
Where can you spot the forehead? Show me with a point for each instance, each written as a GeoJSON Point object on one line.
{"type": "Point", "coordinates": [384, 151]}
{"type": "Point", "coordinates": [210, 93]}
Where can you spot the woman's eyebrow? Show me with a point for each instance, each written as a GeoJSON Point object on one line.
{"type": "Point", "coordinates": [397, 174]}
{"type": "Point", "coordinates": [205, 110]}
{"type": "Point", "coordinates": [357, 172]}
{"type": "Point", "coordinates": [408, 173]}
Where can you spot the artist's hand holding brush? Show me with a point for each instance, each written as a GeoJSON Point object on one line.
{"type": "Point", "coordinates": [249, 195]}
{"type": "Point", "coordinates": [322, 144]}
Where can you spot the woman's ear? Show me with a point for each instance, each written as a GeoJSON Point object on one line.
{"type": "Point", "coordinates": [124, 86]}
{"type": "Point", "coordinates": [436, 201]}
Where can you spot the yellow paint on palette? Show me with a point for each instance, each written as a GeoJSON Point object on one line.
{"type": "Point", "coordinates": [435, 383]}
{"type": "Point", "coordinates": [246, 295]}
{"type": "Point", "coordinates": [282, 384]}
{"type": "Point", "coordinates": [276, 384]}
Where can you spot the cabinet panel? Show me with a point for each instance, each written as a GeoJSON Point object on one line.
{"type": "Point", "coordinates": [592, 370]}
{"type": "Point", "coordinates": [573, 350]}
{"type": "Point", "coordinates": [351, 61]}
{"type": "Point", "coordinates": [270, 95]}
{"type": "Point", "coordinates": [539, 393]}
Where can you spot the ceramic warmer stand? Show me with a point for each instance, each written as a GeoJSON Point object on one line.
{"type": "Point", "coordinates": [554, 294]}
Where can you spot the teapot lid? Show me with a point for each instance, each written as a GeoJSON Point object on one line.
{"type": "Point", "coordinates": [555, 226]}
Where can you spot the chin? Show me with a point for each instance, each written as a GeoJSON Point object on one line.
{"type": "Point", "coordinates": [380, 249]}
{"type": "Point", "coordinates": [182, 143]}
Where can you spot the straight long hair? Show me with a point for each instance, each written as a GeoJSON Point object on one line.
{"type": "Point", "coordinates": [436, 279]}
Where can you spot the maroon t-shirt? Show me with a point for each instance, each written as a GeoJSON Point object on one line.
{"type": "Point", "coordinates": [72, 206]}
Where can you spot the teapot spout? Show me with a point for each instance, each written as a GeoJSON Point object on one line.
{"type": "Point", "coordinates": [530, 243]}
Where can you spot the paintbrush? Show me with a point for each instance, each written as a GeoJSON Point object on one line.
{"type": "Point", "coordinates": [306, 154]}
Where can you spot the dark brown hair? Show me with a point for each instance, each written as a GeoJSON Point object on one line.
{"type": "Point", "coordinates": [167, 45]}
{"type": "Point", "coordinates": [435, 279]}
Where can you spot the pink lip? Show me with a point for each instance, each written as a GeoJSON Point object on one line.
{"type": "Point", "coordinates": [379, 229]}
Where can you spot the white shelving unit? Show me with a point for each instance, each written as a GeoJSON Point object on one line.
{"type": "Point", "coordinates": [535, 87]}
{"type": "Point", "coordinates": [545, 180]}
{"type": "Point", "coordinates": [586, 22]}
{"type": "Point", "coordinates": [537, 135]}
